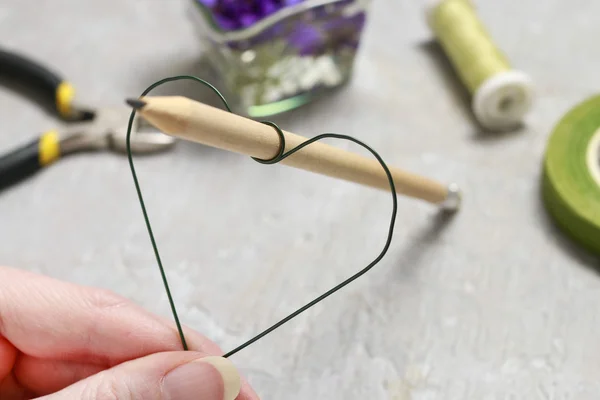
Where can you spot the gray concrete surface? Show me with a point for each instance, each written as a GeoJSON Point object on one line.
{"type": "Point", "coordinates": [494, 304]}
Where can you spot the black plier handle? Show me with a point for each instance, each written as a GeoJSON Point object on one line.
{"type": "Point", "coordinates": [55, 90]}
{"type": "Point", "coordinates": [23, 162]}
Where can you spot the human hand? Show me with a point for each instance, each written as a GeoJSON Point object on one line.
{"type": "Point", "coordinates": [65, 341]}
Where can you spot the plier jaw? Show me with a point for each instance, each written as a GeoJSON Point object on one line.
{"type": "Point", "coordinates": [108, 131]}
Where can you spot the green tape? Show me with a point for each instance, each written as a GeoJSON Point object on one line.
{"type": "Point", "coordinates": [571, 181]}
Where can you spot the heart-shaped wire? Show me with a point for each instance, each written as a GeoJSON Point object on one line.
{"type": "Point", "coordinates": [282, 154]}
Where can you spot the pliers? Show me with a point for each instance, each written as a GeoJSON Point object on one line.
{"type": "Point", "coordinates": [94, 129]}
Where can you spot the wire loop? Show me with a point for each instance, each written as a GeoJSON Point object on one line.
{"type": "Point", "coordinates": [275, 159]}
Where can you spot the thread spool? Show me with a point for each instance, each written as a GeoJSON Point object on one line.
{"type": "Point", "coordinates": [501, 95]}
{"type": "Point", "coordinates": [571, 178]}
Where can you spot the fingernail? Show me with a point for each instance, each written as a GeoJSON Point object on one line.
{"type": "Point", "coordinates": [231, 378]}
{"type": "Point", "coordinates": [210, 378]}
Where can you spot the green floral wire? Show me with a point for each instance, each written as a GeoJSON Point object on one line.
{"type": "Point", "coordinates": [282, 154]}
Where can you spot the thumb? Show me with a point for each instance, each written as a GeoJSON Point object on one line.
{"type": "Point", "coordinates": [162, 376]}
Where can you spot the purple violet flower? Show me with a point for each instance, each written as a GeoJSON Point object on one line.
{"type": "Point", "coordinates": [306, 38]}
{"type": "Point", "coordinates": [236, 14]}
{"type": "Point", "coordinates": [247, 19]}
{"type": "Point", "coordinates": [268, 7]}
{"type": "Point", "coordinates": [209, 3]}
{"type": "Point", "coordinates": [226, 23]}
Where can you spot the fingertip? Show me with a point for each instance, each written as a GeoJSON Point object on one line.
{"type": "Point", "coordinates": [210, 378]}
{"type": "Point", "coordinates": [247, 392]}
{"type": "Point", "coordinates": [232, 382]}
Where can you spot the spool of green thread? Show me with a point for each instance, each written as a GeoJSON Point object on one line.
{"type": "Point", "coordinates": [501, 95]}
{"type": "Point", "coordinates": [571, 179]}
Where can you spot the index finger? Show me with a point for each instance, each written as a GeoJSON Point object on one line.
{"type": "Point", "coordinates": [47, 318]}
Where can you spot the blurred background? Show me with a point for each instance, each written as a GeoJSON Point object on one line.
{"type": "Point", "coordinates": [493, 303]}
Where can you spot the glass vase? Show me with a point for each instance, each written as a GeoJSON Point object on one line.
{"type": "Point", "coordinates": [283, 60]}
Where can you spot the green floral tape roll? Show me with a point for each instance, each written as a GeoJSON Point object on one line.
{"type": "Point", "coordinates": [571, 181]}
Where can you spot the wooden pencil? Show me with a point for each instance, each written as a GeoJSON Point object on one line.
{"type": "Point", "coordinates": [191, 120]}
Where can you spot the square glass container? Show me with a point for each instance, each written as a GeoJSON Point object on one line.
{"type": "Point", "coordinates": [278, 62]}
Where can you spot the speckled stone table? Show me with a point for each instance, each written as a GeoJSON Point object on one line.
{"type": "Point", "coordinates": [492, 304]}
